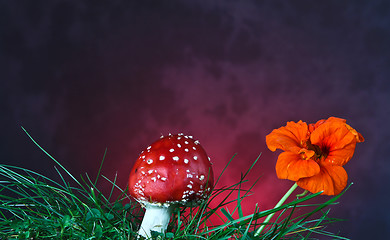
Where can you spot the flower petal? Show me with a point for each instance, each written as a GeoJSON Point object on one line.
{"type": "Point", "coordinates": [335, 119]}
{"type": "Point", "coordinates": [313, 126]}
{"type": "Point", "coordinates": [331, 179]}
{"type": "Point", "coordinates": [293, 167]}
{"type": "Point", "coordinates": [359, 137]}
{"type": "Point", "coordinates": [341, 156]}
{"type": "Point", "coordinates": [336, 139]}
{"type": "Point", "coordinates": [292, 137]}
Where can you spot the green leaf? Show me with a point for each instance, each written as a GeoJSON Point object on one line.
{"type": "Point", "coordinates": [109, 216]}
{"type": "Point", "coordinates": [65, 221]}
{"type": "Point", "coordinates": [156, 234]}
{"type": "Point", "coordinates": [98, 232]}
{"type": "Point", "coordinates": [169, 235]}
{"type": "Point", "coordinates": [128, 206]}
{"type": "Point", "coordinates": [118, 206]}
{"type": "Point", "coordinates": [93, 214]}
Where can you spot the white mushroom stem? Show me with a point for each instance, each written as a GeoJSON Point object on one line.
{"type": "Point", "coordinates": [156, 219]}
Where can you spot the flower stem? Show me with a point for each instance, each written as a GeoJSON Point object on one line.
{"type": "Point", "coordinates": [280, 203]}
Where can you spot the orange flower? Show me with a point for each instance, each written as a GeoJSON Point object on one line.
{"type": "Point", "coordinates": [314, 154]}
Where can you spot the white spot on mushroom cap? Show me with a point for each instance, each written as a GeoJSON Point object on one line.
{"type": "Point", "coordinates": [178, 145]}
{"type": "Point", "coordinates": [197, 142]}
{"type": "Point", "coordinates": [175, 158]}
{"type": "Point", "coordinates": [186, 150]}
{"type": "Point", "coordinates": [149, 147]}
{"type": "Point", "coordinates": [150, 171]}
{"type": "Point", "coordinates": [189, 186]}
{"type": "Point", "coordinates": [186, 142]}
{"type": "Point", "coordinates": [163, 179]}
{"type": "Point", "coordinates": [201, 177]}
{"type": "Point", "coordinates": [195, 157]}
{"type": "Point", "coordinates": [149, 161]}
{"type": "Point", "coordinates": [186, 160]}
{"type": "Point", "coordinates": [162, 157]}
{"type": "Point", "coordinates": [171, 150]}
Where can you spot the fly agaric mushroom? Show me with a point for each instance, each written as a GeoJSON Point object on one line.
{"type": "Point", "coordinates": [173, 171]}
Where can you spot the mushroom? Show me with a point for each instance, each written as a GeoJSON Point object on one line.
{"type": "Point", "coordinates": [173, 171]}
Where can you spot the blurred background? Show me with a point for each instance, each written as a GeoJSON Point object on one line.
{"type": "Point", "coordinates": [82, 77]}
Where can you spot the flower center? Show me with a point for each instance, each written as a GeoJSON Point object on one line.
{"type": "Point", "coordinates": [319, 152]}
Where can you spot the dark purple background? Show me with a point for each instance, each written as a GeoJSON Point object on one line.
{"type": "Point", "coordinates": [82, 77]}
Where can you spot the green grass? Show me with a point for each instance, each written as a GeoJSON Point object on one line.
{"type": "Point", "coordinates": [33, 206]}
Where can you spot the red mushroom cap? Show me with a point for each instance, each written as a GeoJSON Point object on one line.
{"type": "Point", "coordinates": [174, 169]}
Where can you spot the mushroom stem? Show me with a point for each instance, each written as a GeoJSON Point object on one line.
{"type": "Point", "coordinates": [156, 219]}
